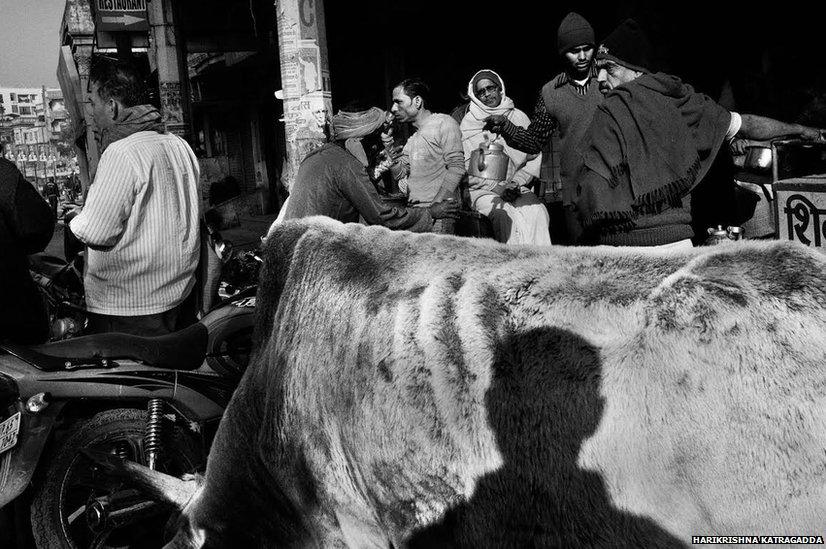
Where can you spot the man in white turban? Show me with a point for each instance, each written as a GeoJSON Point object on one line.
{"type": "Point", "coordinates": [333, 181]}
{"type": "Point", "coordinates": [517, 215]}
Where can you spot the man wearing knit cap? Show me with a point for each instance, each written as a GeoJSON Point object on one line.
{"type": "Point", "coordinates": [565, 104]}
{"type": "Point", "coordinates": [332, 180]}
{"type": "Point", "coordinates": [655, 171]}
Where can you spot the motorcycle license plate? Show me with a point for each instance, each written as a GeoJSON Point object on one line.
{"type": "Point", "coordinates": [8, 432]}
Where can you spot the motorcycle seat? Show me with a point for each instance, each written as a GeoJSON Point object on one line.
{"type": "Point", "coordinates": [181, 350]}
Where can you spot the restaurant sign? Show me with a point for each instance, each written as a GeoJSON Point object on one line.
{"type": "Point", "coordinates": [121, 15]}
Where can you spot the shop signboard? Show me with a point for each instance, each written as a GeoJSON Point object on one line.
{"type": "Point", "coordinates": [121, 15]}
{"type": "Point", "coordinates": [801, 210]}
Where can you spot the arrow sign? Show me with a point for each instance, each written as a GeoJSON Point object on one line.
{"type": "Point", "coordinates": [124, 20]}
{"type": "Point", "coordinates": [127, 16]}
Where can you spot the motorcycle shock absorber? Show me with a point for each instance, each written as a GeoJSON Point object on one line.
{"type": "Point", "coordinates": [152, 437]}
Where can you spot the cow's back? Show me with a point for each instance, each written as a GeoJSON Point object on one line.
{"type": "Point", "coordinates": [723, 393]}
{"type": "Point", "coordinates": [422, 388]}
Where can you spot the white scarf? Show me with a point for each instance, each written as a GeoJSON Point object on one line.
{"type": "Point", "coordinates": [474, 121]}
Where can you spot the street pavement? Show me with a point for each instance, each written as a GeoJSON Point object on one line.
{"type": "Point", "coordinates": [249, 232]}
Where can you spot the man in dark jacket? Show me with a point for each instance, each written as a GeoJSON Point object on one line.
{"type": "Point", "coordinates": [26, 226]}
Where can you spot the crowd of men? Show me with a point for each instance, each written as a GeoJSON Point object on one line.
{"type": "Point", "coordinates": [643, 158]}
{"type": "Point", "coordinates": [643, 161]}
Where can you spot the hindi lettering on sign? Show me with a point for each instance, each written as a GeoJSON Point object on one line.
{"type": "Point", "coordinates": [800, 211]}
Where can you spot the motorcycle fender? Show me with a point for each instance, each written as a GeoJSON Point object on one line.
{"type": "Point", "coordinates": [18, 464]}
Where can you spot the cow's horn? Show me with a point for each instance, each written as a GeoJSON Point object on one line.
{"type": "Point", "coordinates": [159, 485]}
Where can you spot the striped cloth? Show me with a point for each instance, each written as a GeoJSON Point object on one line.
{"type": "Point", "coordinates": [141, 223]}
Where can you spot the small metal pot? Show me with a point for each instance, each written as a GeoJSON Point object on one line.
{"type": "Point", "coordinates": [758, 158]}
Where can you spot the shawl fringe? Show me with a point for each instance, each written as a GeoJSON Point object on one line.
{"type": "Point", "coordinates": [649, 203]}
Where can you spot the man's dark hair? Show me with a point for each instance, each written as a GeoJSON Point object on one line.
{"type": "Point", "coordinates": [118, 80]}
{"type": "Point", "coordinates": [416, 86]}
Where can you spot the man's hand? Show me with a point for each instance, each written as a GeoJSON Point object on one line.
{"type": "Point", "coordinates": [495, 123]}
{"type": "Point", "coordinates": [511, 193]}
{"type": "Point", "coordinates": [738, 146]}
{"type": "Point", "coordinates": [387, 137]}
{"type": "Point", "coordinates": [71, 211]}
{"type": "Point", "coordinates": [395, 152]}
{"type": "Point", "coordinates": [382, 167]}
{"type": "Point", "coordinates": [812, 134]}
{"type": "Point", "coordinates": [447, 208]}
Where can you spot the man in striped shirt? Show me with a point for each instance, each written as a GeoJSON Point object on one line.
{"type": "Point", "coordinates": [141, 217]}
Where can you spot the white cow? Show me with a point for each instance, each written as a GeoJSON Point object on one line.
{"type": "Point", "coordinates": [424, 391]}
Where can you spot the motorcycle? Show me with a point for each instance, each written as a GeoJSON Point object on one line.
{"type": "Point", "coordinates": [61, 284]}
{"type": "Point", "coordinates": [152, 400]}
{"type": "Point", "coordinates": [156, 401]}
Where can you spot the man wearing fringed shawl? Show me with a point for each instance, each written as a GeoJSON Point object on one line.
{"type": "Point", "coordinates": [651, 143]}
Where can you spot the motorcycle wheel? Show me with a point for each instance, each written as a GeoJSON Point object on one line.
{"type": "Point", "coordinates": [68, 480]}
{"type": "Point", "coordinates": [230, 339]}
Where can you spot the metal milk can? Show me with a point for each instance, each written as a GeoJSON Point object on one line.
{"type": "Point", "coordinates": [489, 161]}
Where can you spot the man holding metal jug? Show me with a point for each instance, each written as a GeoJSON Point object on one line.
{"type": "Point", "coordinates": [564, 109]}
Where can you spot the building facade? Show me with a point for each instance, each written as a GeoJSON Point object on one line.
{"type": "Point", "coordinates": [214, 79]}
{"type": "Point", "coordinates": [34, 133]}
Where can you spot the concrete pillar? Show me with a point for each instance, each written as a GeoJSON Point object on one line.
{"type": "Point", "coordinates": [168, 54]}
{"type": "Point", "coordinates": [77, 39]}
{"type": "Point", "coordinates": [305, 78]}
{"type": "Point", "coordinates": [88, 163]}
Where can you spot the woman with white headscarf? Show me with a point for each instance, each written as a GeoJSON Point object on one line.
{"type": "Point", "coordinates": [517, 215]}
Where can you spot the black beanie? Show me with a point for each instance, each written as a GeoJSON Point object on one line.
{"type": "Point", "coordinates": [574, 31]}
{"type": "Point", "coordinates": [628, 46]}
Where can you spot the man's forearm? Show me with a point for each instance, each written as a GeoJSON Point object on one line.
{"type": "Point", "coordinates": [762, 128]}
{"type": "Point", "coordinates": [95, 227]}
{"type": "Point", "coordinates": [400, 168]}
{"type": "Point", "coordinates": [451, 181]}
{"type": "Point", "coordinates": [529, 140]}
{"type": "Point", "coordinates": [533, 138]}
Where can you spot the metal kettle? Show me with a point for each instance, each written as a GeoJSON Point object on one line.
{"type": "Point", "coordinates": [489, 161]}
{"type": "Point", "coordinates": [719, 235]}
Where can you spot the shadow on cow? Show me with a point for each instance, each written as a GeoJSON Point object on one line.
{"type": "Point", "coordinates": [544, 401]}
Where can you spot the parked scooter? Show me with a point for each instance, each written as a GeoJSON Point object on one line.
{"type": "Point", "coordinates": [156, 401]}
